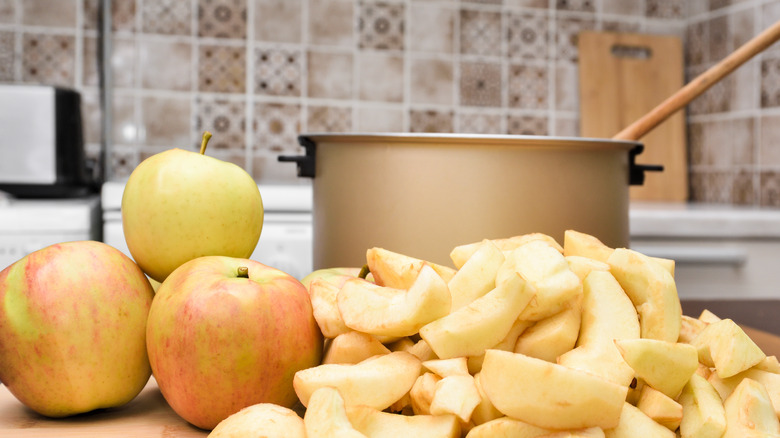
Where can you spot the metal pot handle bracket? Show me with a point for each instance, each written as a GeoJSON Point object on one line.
{"type": "Point", "coordinates": [305, 162]}
{"type": "Point", "coordinates": [636, 172]}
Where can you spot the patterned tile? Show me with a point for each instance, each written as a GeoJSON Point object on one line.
{"type": "Point", "coordinates": [770, 188]}
{"type": "Point", "coordinates": [671, 9]}
{"type": "Point", "coordinates": [222, 18]}
{"type": "Point", "coordinates": [49, 58]}
{"type": "Point", "coordinates": [331, 23]}
{"type": "Point", "coordinates": [484, 2]}
{"type": "Point", "coordinates": [124, 128]}
{"type": "Point", "coordinates": [770, 14]}
{"type": "Point", "coordinates": [123, 161]}
{"type": "Point", "coordinates": [431, 121]}
{"type": "Point", "coordinates": [276, 127]}
{"type": "Point", "coordinates": [528, 86]}
{"type": "Point", "coordinates": [719, 41]}
{"type": "Point", "coordinates": [432, 81]}
{"type": "Point", "coordinates": [526, 125]}
{"type": "Point", "coordinates": [166, 121]}
{"type": "Point", "coordinates": [609, 25]}
{"type": "Point", "coordinates": [478, 122]}
{"type": "Point", "coordinates": [566, 127]}
{"type": "Point", "coordinates": [480, 84]}
{"type": "Point", "coordinates": [328, 119]}
{"type": "Point", "coordinates": [714, 186]}
{"type": "Point", "coordinates": [623, 7]}
{"type": "Point", "coordinates": [380, 119]}
{"type": "Point", "coordinates": [568, 29]}
{"type": "Point", "coordinates": [123, 62]}
{"type": "Point", "coordinates": [381, 77]}
{"type": "Point", "coordinates": [567, 93]}
{"type": "Point", "coordinates": [122, 15]}
{"type": "Point", "coordinates": [222, 69]}
{"type": "Point", "coordinates": [745, 191]}
{"type": "Point", "coordinates": [480, 32]}
{"type": "Point", "coordinates": [331, 75]}
{"type": "Point", "coordinates": [278, 71]}
{"type": "Point", "coordinates": [544, 4]}
{"type": "Point", "coordinates": [576, 5]}
{"type": "Point", "coordinates": [770, 82]}
{"type": "Point", "coordinates": [381, 26]}
{"type": "Point", "coordinates": [278, 20]}
{"type": "Point", "coordinates": [173, 64]}
{"type": "Point", "coordinates": [61, 13]}
{"type": "Point", "coordinates": [225, 119]}
{"type": "Point", "coordinates": [169, 17]}
{"type": "Point", "coordinates": [7, 11]}
{"type": "Point", "coordinates": [431, 27]}
{"type": "Point", "coordinates": [528, 35]}
{"type": "Point", "coordinates": [696, 143]}
{"type": "Point", "coordinates": [7, 56]}
{"type": "Point", "coordinates": [769, 145]}
{"type": "Point", "coordinates": [91, 115]}
{"type": "Point", "coordinates": [696, 43]}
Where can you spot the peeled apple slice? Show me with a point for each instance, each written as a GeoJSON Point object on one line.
{"type": "Point", "coordinates": [385, 311]}
{"type": "Point", "coordinates": [549, 395]}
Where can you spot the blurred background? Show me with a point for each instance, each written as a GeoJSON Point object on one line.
{"type": "Point", "coordinates": [258, 72]}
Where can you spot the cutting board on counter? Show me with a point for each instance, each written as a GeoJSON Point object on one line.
{"type": "Point", "coordinates": [622, 76]}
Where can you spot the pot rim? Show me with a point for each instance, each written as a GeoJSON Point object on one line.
{"type": "Point", "coordinates": [466, 138]}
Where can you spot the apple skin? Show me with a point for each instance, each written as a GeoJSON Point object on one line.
{"type": "Point", "coordinates": [178, 205]}
{"type": "Point", "coordinates": [73, 328]}
{"type": "Point", "coordinates": [337, 276]}
{"type": "Point", "coordinates": [218, 343]}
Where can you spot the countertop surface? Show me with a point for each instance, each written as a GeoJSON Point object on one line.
{"type": "Point", "coordinates": [692, 220]}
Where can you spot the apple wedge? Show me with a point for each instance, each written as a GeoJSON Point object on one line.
{"type": "Point", "coordinates": [660, 407]}
{"type": "Point", "coordinates": [653, 291]}
{"type": "Point", "coordinates": [422, 393]}
{"type": "Point", "coordinates": [690, 328]}
{"type": "Point", "coordinates": [470, 330]}
{"type": "Point", "coordinates": [460, 254]}
{"type": "Point", "coordinates": [749, 412]}
{"type": "Point", "coordinates": [634, 423]}
{"type": "Point", "coordinates": [505, 427]}
{"type": "Point", "coordinates": [703, 413]}
{"type": "Point", "coordinates": [326, 416]}
{"type": "Point", "coordinates": [456, 366]}
{"type": "Point", "coordinates": [666, 366]}
{"type": "Point", "coordinates": [769, 364]}
{"type": "Point", "coordinates": [457, 395]}
{"type": "Point", "coordinates": [547, 271]}
{"type": "Point", "coordinates": [552, 336]}
{"type": "Point", "coordinates": [725, 346]}
{"type": "Point", "coordinates": [399, 271]}
{"type": "Point", "coordinates": [548, 395]}
{"type": "Point", "coordinates": [576, 243]}
{"type": "Point", "coordinates": [387, 311]}
{"type": "Point", "coordinates": [506, 344]}
{"type": "Point", "coordinates": [364, 383]}
{"type": "Point", "coordinates": [771, 381]}
{"type": "Point", "coordinates": [485, 411]}
{"type": "Point", "coordinates": [477, 276]}
{"type": "Point", "coordinates": [374, 423]}
{"type": "Point", "coordinates": [324, 303]}
{"type": "Point", "coordinates": [582, 266]}
{"type": "Point", "coordinates": [607, 315]}
{"type": "Point", "coordinates": [263, 419]}
{"type": "Point", "coordinates": [591, 432]}
{"type": "Point", "coordinates": [353, 347]}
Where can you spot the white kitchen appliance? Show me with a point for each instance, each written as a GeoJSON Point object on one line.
{"type": "Point", "coordinates": [285, 242]}
{"type": "Point", "coordinates": [27, 225]}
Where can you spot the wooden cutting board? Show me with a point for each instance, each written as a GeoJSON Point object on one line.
{"type": "Point", "coordinates": [623, 76]}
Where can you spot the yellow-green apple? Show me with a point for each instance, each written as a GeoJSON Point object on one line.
{"type": "Point", "coordinates": [225, 333]}
{"type": "Point", "coordinates": [73, 328]}
{"type": "Point", "coordinates": [179, 205]}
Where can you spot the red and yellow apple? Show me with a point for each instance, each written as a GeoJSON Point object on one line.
{"type": "Point", "coordinates": [73, 328]}
{"type": "Point", "coordinates": [225, 333]}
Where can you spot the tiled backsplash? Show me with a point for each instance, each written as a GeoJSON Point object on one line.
{"type": "Point", "coordinates": [258, 72]}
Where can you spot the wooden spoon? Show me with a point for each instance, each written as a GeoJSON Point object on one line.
{"type": "Point", "coordinates": [701, 83]}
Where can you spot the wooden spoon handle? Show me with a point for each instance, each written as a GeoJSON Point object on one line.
{"type": "Point", "coordinates": [701, 83]}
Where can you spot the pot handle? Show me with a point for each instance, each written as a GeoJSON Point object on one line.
{"type": "Point", "coordinates": [305, 162]}
{"type": "Point", "coordinates": [636, 172]}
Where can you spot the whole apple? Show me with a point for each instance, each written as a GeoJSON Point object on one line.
{"type": "Point", "coordinates": [225, 333]}
{"type": "Point", "coordinates": [178, 205]}
{"type": "Point", "coordinates": [73, 328]}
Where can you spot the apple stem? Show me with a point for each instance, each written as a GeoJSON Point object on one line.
{"type": "Point", "coordinates": [243, 272]}
{"type": "Point", "coordinates": [204, 142]}
{"type": "Point", "coordinates": [364, 271]}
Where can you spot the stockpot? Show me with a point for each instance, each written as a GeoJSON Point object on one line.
{"type": "Point", "coordinates": [424, 194]}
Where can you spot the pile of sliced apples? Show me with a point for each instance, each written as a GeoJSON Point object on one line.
{"type": "Point", "coordinates": [529, 338]}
